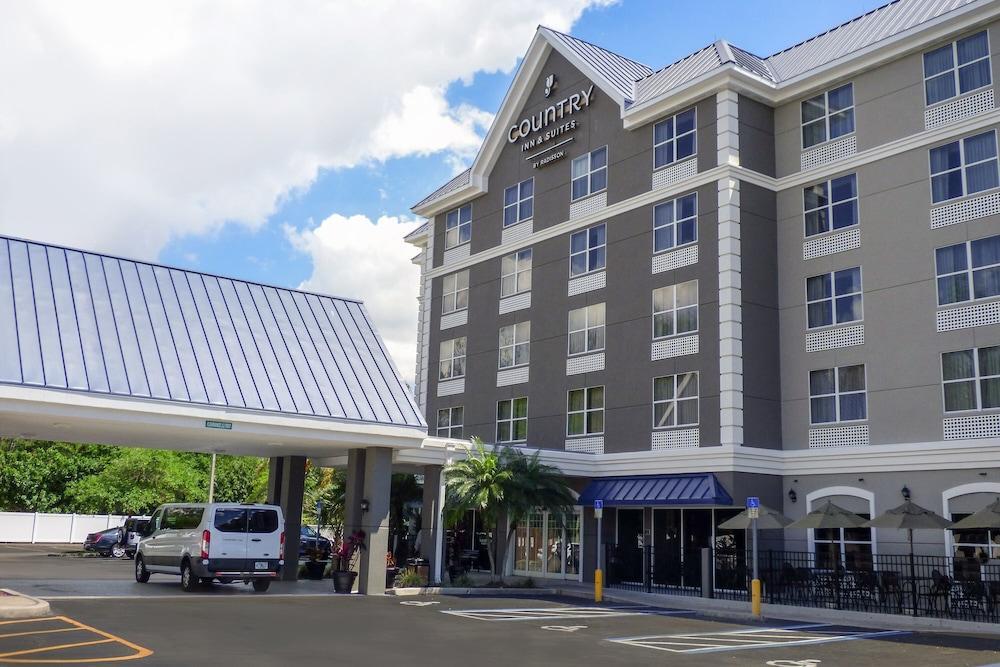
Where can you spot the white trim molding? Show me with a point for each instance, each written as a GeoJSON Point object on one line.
{"type": "Point", "coordinates": [730, 314]}
{"type": "Point", "coordinates": [961, 490]}
{"type": "Point", "coordinates": [851, 491]}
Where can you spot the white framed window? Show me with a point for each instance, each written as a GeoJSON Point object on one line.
{"type": "Point", "coordinates": [586, 329]}
{"type": "Point", "coordinates": [675, 223]}
{"type": "Point", "coordinates": [452, 359]}
{"type": "Point", "coordinates": [675, 310]}
{"type": "Point", "coordinates": [838, 395]}
{"type": "Point", "coordinates": [957, 68]}
{"type": "Point", "coordinates": [589, 173]}
{"type": "Point", "coordinates": [458, 226]}
{"type": "Point", "coordinates": [512, 420]}
{"type": "Point", "coordinates": [830, 205]}
{"type": "Point", "coordinates": [968, 271]}
{"type": "Point", "coordinates": [515, 341]}
{"type": "Point", "coordinates": [674, 138]}
{"type": "Point", "coordinates": [844, 548]}
{"type": "Point", "coordinates": [828, 115]}
{"type": "Point", "coordinates": [585, 411]}
{"type": "Point", "coordinates": [675, 400]}
{"type": "Point", "coordinates": [455, 292]}
{"type": "Point", "coordinates": [981, 543]}
{"type": "Point", "coordinates": [588, 250]}
{"type": "Point", "coordinates": [518, 202]}
{"type": "Point", "coordinates": [450, 422]}
{"type": "Point", "coordinates": [964, 167]}
{"type": "Point", "coordinates": [971, 379]}
{"type": "Point", "coordinates": [515, 273]}
{"type": "Point", "coordinates": [834, 298]}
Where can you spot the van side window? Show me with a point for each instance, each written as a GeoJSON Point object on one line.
{"type": "Point", "coordinates": [232, 520]}
{"type": "Point", "coordinates": [263, 521]}
{"type": "Point", "coordinates": [182, 518]}
{"type": "Point", "coordinates": [153, 524]}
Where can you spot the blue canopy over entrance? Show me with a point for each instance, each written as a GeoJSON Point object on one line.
{"type": "Point", "coordinates": [653, 490]}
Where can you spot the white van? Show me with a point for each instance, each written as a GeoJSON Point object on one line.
{"type": "Point", "coordinates": [203, 542]}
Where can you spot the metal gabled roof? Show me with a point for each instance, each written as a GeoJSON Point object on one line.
{"type": "Point", "coordinates": [452, 185]}
{"type": "Point", "coordinates": [617, 70]}
{"type": "Point", "coordinates": [82, 321]}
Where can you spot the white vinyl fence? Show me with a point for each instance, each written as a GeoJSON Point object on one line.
{"type": "Point", "coordinates": [53, 528]}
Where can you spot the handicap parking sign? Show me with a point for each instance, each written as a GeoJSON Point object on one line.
{"type": "Point", "coordinates": [753, 502]}
{"type": "Point", "coordinates": [598, 504]}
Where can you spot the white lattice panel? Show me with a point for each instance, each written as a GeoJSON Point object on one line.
{"type": "Point", "coordinates": [966, 317]}
{"type": "Point", "coordinates": [675, 172]}
{"type": "Point", "coordinates": [675, 439]}
{"type": "Point", "coordinates": [829, 339]}
{"type": "Point", "coordinates": [978, 426]}
{"type": "Point", "coordinates": [593, 445]}
{"type": "Point", "coordinates": [965, 210]}
{"type": "Point", "coordinates": [829, 152]}
{"type": "Point", "coordinates": [585, 363]}
{"type": "Point", "coordinates": [956, 110]}
{"type": "Point", "coordinates": [588, 205]}
{"type": "Point", "coordinates": [587, 283]}
{"type": "Point", "coordinates": [456, 254]}
{"type": "Point", "coordinates": [842, 436]}
{"type": "Point", "coordinates": [510, 376]}
{"type": "Point", "coordinates": [515, 302]}
{"type": "Point", "coordinates": [678, 346]}
{"type": "Point", "coordinates": [675, 259]}
{"type": "Point", "coordinates": [456, 319]}
{"type": "Point", "coordinates": [451, 387]}
{"type": "Point", "coordinates": [521, 230]}
{"type": "Point", "coordinates": [831, 244]}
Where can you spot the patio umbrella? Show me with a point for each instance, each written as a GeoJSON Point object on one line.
{"type": "Point", "coordinates": [769, 519]}
{"type": "Point", "coordinates": [988, 517]}
{"type": "Point", "coordinates": [829, 515]}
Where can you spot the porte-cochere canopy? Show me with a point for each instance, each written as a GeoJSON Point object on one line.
{"type": "Point", "coordinates": [85, 322]}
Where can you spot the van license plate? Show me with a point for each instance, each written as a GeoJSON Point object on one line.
{"type": "Point", "coordinates": [260, 565]}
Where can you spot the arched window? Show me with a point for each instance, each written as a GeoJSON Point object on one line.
{"type": "Point", "coordinates": [959, 502]}
{"type": "Point", "coordinates": [848, 548]}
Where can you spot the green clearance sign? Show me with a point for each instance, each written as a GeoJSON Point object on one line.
{"type": "Point", "coordinates": [225, 426]}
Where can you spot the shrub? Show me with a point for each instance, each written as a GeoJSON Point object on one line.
{"type": "Point", "coordinates": [408, 578]}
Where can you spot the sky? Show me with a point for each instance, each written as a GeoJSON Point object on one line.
{"type": "Point", "coordinates": [285, 142]}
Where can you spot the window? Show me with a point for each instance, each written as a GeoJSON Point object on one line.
{"type": "Point", "coordinates": [834, 298]}
{"type": "Point", "coordinates": [849, 548]}
{"type": "Point", "coordinates": [980, 543]}
{"type": "Point", "coordinates": [587, 250]}
{"type": "Point", "coordinates": [452, 364]}
{"type": "Point", "coordinates": [515, 273]}
{"type": "Point", "coordinates": [957, 68]}
{"type": "Point", "coordinates": [518, 202]}
{"type": "Point", "coordinates": [828, 116]}
{"type": "Point", "coordinates": [455, 292]}
{"type": "Point", "coordinates": [262, 520]}
{"type": "Point", "coordinates": [450, 422]}
{"type": "Point", "coordinates": [231, 520]}
{"type": "Point", "coordinates": [674, 139]}
{"type": "Point", "coordinates": [964, 167]}
{"type": "Point", "coordinates": [675, 223]}
{"type": "Point", "coordinates": [586, 329]}
{"type": "Point", "coordinates": [831, 205]}
{"type": "Point", "coordinates": [675, 400]}
{"type": "Point", "coordinates": [590, 173]}
{"type": "Point", "coordinates": [182, 518]}
{"type": "Point", "coordinates": [585, 411]}
{"type": "Point", "coordinates": [514, 345]}
{"type": "Point", "coordinates": [968, 271]}
{"type": "Point", "coordinates": [675, 309]}
{"type": "Point", "coordinates": [837, 395]}
{"type": "Point", "coordinates": [971, 379]}
{"type": "Point", "coordinates": [458, 226]}
{"type": "Point", "coordinates": [512, 420]}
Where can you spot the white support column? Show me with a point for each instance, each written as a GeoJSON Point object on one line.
{"type": "Point", "coordinates": [727, 124]}
{"type": "Point", "coordinates": [426, 260]}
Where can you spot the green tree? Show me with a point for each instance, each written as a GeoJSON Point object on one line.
{"type": "Point", "coordinates": [34, 475]}
{"type": "Point", "coordinates": [240, 479]}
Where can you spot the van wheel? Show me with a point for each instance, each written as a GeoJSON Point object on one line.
{"type": "Point", "coordinates": [189, 582]}
{"type": "Point", "coordinates": [261, 585]}
{"type": "Point", "coordinates": [141, 573]}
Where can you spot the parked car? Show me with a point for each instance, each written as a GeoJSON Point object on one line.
{"type": "Point", "coordinates": [133, 527]}
{"type": "Point", "coordinates": [309, 539]}
{"type": "Point", "coordinates": [205, 542]}
{"type": "Point", "coordinates": [106, 543]}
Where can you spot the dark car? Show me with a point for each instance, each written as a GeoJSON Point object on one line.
{"type": "Point", "coordinates": [106, 543]}
{"type": "Point", "coordinates": [309, 539]}
{"type": "Point", "coordinates": [134, 525]}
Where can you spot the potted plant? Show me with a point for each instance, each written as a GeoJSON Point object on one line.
{"type": "Point", "coordinates": [346, 557]}
{"type": "Point", "coordinates": [314, 566]}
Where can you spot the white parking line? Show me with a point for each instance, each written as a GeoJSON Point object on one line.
{"type": "Point", "coordinates": [737, 640]}
{"type": "Point", "coordinates": [556, 613]}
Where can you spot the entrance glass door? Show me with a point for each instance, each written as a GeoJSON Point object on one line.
{"type": "Point", "coordinates": [547, 546]}
{"type": "Point", "coordinates": [667, 547]}
{"type": "Point", "coordinates": [697, 535]}
{"type": "Point", "coordinates": [629, 551]}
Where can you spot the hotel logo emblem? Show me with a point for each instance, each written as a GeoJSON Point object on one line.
{"type": "Point", "coordinates": [550, 84]}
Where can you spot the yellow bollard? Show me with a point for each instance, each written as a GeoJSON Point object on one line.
{"type": "Point", "coordinates": [598, 586]}
{"type": "Point", "coordinates": [755, 597]}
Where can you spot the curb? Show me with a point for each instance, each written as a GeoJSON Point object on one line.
{"type": "Point", "coordinates": [14, 606]}
{"type": "Point", "coordinates": [446, 590]}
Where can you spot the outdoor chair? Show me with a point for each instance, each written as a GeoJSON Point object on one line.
{"type": "Point", "coordinates": [891, 591]}
{"type": "Point", "coordinates": [970, 597]}
{"type": "Point", "coordinates": [938, 594]}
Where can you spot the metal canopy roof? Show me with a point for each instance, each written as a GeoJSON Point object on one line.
{"type": "Point", "coordinates": [693, 489]}
{"type": "Point", "coordinates": [86, 322]}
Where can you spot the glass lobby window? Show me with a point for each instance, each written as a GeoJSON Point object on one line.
{"type": "Point", "coordinates": [515, 273]}
{"type": "Point", "coordinates": [957, 68]}
{"type": "Point", "coordinates": [968, 271]}
{"type": "Point", "coordinates": [585, 411]}
{"type": "Point", "coordinates": [830, 205]}
{"type": "Point", "coordinates": [849, 548]}
{"type": "Point", "coordinates": [512, 420]}
{"type": "Point", "coordinates": [518, 202]}
{"type": "Point", "coordinates": [588, 250]}
{"type": "Point", "coordinates": [589, 173]}
{"type": "Point", "coordinates": [458, 226]}
{"type": "Point", "coordinates": [454, 292]}
{"type": "Point", "coordinates": [674, 139]}
{"type": "Point", "coordinates": [515, 341]}
{"type": "Point", "coordinates": [675, 309]}
{"type": "Point", "coordinates": [971, 379]}
{"type": "Point", "coordinates": [837, 395]}
{"type": "Point", "coordinates": [828, 115]}
{"type": "Point", "coordinates": [586, 329]}
{"type": "Point", "coordinates": [675, 223]}
{"type": "Point", "coordinates": [964, 167]}
{"type": "Point", "coordinates": [834, 298]}
{"type": "Point", "coordinates": [450, 422]}
{"type": "Point", "coordinates": [452, 364]}
{"type": "Point", "coordinates": [675, 400]}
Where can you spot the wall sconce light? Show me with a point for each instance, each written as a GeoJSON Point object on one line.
{"type": "Point", "coordinates": [365, 505]}
{"type": "Point", "coordinates": [792, 496]}
{"type": "Point", "coordinates": [906, 492]}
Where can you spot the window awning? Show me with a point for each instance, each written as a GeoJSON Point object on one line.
{"type": "Point", "coordinates": [651, 490]}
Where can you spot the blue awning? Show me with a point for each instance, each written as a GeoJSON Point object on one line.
{"type": "Point", "coordinates": [651, 490]}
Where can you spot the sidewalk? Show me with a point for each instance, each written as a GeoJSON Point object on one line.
{"type": "Point", "coordinates": [15, 606]}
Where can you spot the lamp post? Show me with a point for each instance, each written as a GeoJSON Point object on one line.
{"type": "Point", "coordinates": [211, 480]}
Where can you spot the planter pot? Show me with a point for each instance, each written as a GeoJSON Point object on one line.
{"type": "Point", "coordinates": [343, 581]}
{"type": "Point", "coordinates": [390, 576]}
{"type": "Point", "coordinates": [315, 569]}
